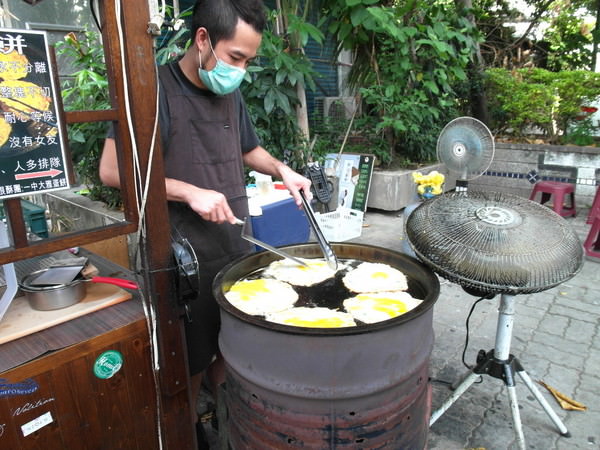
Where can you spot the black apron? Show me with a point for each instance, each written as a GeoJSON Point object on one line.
{"type": "Point", "coordinates": [203, 149]}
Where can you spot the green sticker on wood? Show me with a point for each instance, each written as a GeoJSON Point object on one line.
{"type": "Point", "coordinates": [107, 364]}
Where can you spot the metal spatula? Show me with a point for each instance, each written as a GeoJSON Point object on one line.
{"type": "Point", "coordinates": [247, 236]}
{"type": "Point", "coordinates": [61, 272]}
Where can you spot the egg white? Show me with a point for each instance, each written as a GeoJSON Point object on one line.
{"type": "Point", "coordinates": [261, 296]}
{"type": "Point", "coordinates": [379, 306]}
{"type": "Point", "coordinates": [375, 277]}
{"type": "Point", "coordinates": [298, 275]}
{"type": "Point", "coordinates": [312, 318]}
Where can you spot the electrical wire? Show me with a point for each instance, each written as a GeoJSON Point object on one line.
{"type": "Point", "coordinates": [95, 15]}
{"type": "Point", "coordinates": [486, 297]}
{"type": "Point", "coordinates": [139, 187]}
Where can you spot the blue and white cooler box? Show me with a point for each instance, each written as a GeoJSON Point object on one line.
{"type": "Point", "coordinates": [276, 219]}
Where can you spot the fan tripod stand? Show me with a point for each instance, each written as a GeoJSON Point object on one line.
{"type": "Point", "coordinates": [499, 363]}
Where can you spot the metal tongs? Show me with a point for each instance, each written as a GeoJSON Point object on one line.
{"type": "Point", "coordinates": [330, 257]}
{"type": "Point", "coordinates": [247, 236]}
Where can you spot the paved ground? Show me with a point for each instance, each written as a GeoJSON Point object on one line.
{"type": "Point", "coordinates": [556, 338]}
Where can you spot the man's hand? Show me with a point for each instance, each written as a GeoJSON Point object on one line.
{"type": "Point", "coordinates": [210, 205]}
{"type": "Point", "coordinates": [295, 182]}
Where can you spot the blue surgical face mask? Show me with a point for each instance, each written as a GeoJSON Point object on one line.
{"type": "Point", "coordinates": [223, 78]}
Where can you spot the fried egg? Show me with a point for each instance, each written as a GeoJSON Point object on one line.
{"type": "Point", "coordinates": [261, 296]}
{"type": "Point", "coordinates": [380, 306]}
{"type": "Point", "coordinates": [375, 277]}
{"type": "Point", "coordinates": [312, 318]}
{"type": "Point", "coordinates": [298, 275]}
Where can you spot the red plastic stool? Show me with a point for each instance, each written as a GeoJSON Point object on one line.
{"type": "Point", "coordinates": [595, 209]}
{"type": "Point", "coordinates": [559, 191]}
{"type": "Point", "coordinates": [592, 242]}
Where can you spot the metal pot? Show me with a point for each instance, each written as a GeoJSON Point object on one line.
{"type": "Point", "coordinates": [363, 386]}
{"type": "Point", "coordinates": [48, 298]}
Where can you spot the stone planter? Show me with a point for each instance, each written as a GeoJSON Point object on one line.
{"type": "Point", "coordinates": [393, 190]}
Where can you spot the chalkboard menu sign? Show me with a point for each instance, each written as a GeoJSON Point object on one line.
{"type": "Point", "coordinates": [32, 157]}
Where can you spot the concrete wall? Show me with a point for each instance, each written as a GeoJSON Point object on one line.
{"type": "Point", "coordinates": [514, 170]}
{"type": "Point", "coordinates": [516, 167]}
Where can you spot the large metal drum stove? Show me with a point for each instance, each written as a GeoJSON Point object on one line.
{"type": "Point", "coordinates": [322, 388]}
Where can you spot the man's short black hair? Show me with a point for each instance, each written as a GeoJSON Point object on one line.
{"type": "Point", "coordinates": [220, 17]}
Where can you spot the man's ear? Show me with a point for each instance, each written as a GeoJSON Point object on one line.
{"type": "Point", "coordinates": [201, 39]}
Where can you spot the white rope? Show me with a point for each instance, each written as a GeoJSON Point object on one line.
{"type": "Point", "coordinates": [150, 159]}
{"type": "Point", "coordinates": [149, 310]}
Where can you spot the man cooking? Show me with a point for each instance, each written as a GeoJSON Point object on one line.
{"type": "Point", "coordinates": [207, 138]}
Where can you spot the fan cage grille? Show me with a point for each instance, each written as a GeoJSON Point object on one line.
{"type": "Point", "coordinates": [536, 250]}
{"type": "Point", "coordinates": [466, 147]}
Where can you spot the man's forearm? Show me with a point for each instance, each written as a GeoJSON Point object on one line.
{"type": "Point", "coordinates": [262, 161]}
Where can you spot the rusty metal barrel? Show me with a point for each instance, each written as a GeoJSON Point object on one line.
{"type": "Point", "coordinates": [346, 388]}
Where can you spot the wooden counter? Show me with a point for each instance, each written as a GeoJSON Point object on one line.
{"type": "Point", "coordinates": [51, 396]}
{"type": "Point", "coordinates": [61, 394]}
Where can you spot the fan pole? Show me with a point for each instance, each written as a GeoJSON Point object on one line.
{"type": "Point", "coordinates": [499, 363]}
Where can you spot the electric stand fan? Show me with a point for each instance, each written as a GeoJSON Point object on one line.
{"type": "Point", "coordinates": [491, 243]}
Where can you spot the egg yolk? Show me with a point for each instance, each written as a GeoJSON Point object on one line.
{"type": "Point", "coordinates": [388, 306]}
{"type": "Point", "coordinates": [391, 308]}
{"type": "Point", "coordinates": [329, 322]}
{"type": "Point", "coordinates": [249, 288]}
{"type": "Point", "coordinates": [312, 265]}
{"type": "Point", "coordinates": [377, 275]}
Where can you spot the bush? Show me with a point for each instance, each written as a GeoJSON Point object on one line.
{"type": "Point", "coordinates": [329, 134]}
{"type": "Point", "coordinates": [527, 101]}
{"type": "Point", "coordinates": [271, 92]}
{"type": "Point", "coordinates": [410, 57]}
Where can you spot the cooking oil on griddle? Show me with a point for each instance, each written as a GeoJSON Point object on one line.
{"type": "Point", "coordinates": [331, 292]}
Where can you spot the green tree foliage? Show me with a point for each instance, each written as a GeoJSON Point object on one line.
{"type": "Point", "coordinates": [569, 38]}
{"type": "Point", "coordinates": [558, 34]}
{"type": "Point", "coordinates": [270, 92]}
{"type": "Point", "coordinates": [174, 39]}
{"type": "Point", "coordinates": [499, 47]}
{"type": "Point", "coordinates": [410, 57]}
{"type": "Point", "coordinates": [527, 100]}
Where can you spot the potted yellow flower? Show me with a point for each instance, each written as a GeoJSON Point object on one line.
{"type": "Point", "coordinates": [429, 185]}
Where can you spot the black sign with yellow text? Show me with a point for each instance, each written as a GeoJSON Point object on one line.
{"type": "Point", "coordinates": [32, 157]}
